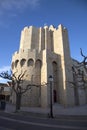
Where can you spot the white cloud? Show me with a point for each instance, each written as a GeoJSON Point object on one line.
{"type": "Point", "coordinates": [3, 80]}
{"type": "Point", "coordinates": [5, 68]}
{"type": "Point", "coordinates": [7, 5]}
{"type": "Point", "coordinates": [12, 8]}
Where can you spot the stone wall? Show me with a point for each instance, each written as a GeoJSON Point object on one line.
{"type": "Point", "coordinates": [43, 52]}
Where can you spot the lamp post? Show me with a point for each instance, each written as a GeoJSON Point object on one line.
{"type": "Point", "coordinates": [51, 106]}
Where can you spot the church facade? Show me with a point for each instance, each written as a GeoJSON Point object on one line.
{"type": "Point", "coordinates": [43, 52]}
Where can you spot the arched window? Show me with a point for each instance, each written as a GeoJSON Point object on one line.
{"type": "Point", "coordinates": [55, 79]}
{"type": "Point", "coordinates": [12, 65]}
{"type": "Point", "coordinates": [22, 62]}
{"type": "Point", "coordinates": [30, 62]}
{"type": "Point", "coordinates": [38, 63]}
{"type": "Point", "coordinates": [37, 72]}
{"type": "Point", "coordinates": [16, 63]}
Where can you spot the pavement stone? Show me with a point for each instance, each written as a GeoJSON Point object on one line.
{"type": "Point", "coordinates": [58, 110]}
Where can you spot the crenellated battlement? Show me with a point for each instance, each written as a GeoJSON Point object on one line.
{"type": "Point", "coordinates": [39, 38]}
{"type": "Point", "coordinates": [51, 27]}
{"type": "Point", "coordinates": [26, 51]}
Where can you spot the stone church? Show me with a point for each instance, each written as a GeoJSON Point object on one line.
{"type": "Point", "coordinates": [43, 52]}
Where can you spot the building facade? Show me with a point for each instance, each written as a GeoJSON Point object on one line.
{"type": "Point", "coordinates": [43, 52]}
{"type": "Point", "coordinates": [5, 92]}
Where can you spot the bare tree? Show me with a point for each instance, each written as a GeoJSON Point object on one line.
{"type": "Point", "coordinates": [16, 84]}
{"type": "Point", "coordinates": [84, 62]}
{"type": "Point", "coordinates": [80, 76]}
{"type": "Point", "coordinates": [83, 65]}
{"type": "Point", "coordinates": [80, 70]}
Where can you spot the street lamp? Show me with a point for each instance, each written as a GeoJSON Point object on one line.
{"type": "Point", "coordinates": [51, 106]}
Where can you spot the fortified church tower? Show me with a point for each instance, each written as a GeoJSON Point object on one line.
{"type": "Point", "coordinates": [44, 52]}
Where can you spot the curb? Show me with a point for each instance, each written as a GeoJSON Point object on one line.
{"type": "Point", "coordinates": [46, 115]}
{"type": "Point", "coordinates": [34, 114]}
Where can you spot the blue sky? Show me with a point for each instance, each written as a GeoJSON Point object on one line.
{"type": "Point", "coordinates": [16, 14]}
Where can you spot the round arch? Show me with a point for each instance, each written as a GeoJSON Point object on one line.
{"type": "Point", "coordinates": [30, 62]}
{"type": "Point", "coordinates": [56, 87]}
{"type": "Point", "coordinates": [13, 64]}
{"type": "Point", "coordinates": [38, 63]}
{"type": "Point", "coordinates": [22, 62]}
{"type": "Point", "coordinates": [16, 63]}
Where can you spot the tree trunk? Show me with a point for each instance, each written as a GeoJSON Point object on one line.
{"type": "Point", "coordinates": [76, 96]}
{"type": "Point", "coordinates": [18, 101]}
